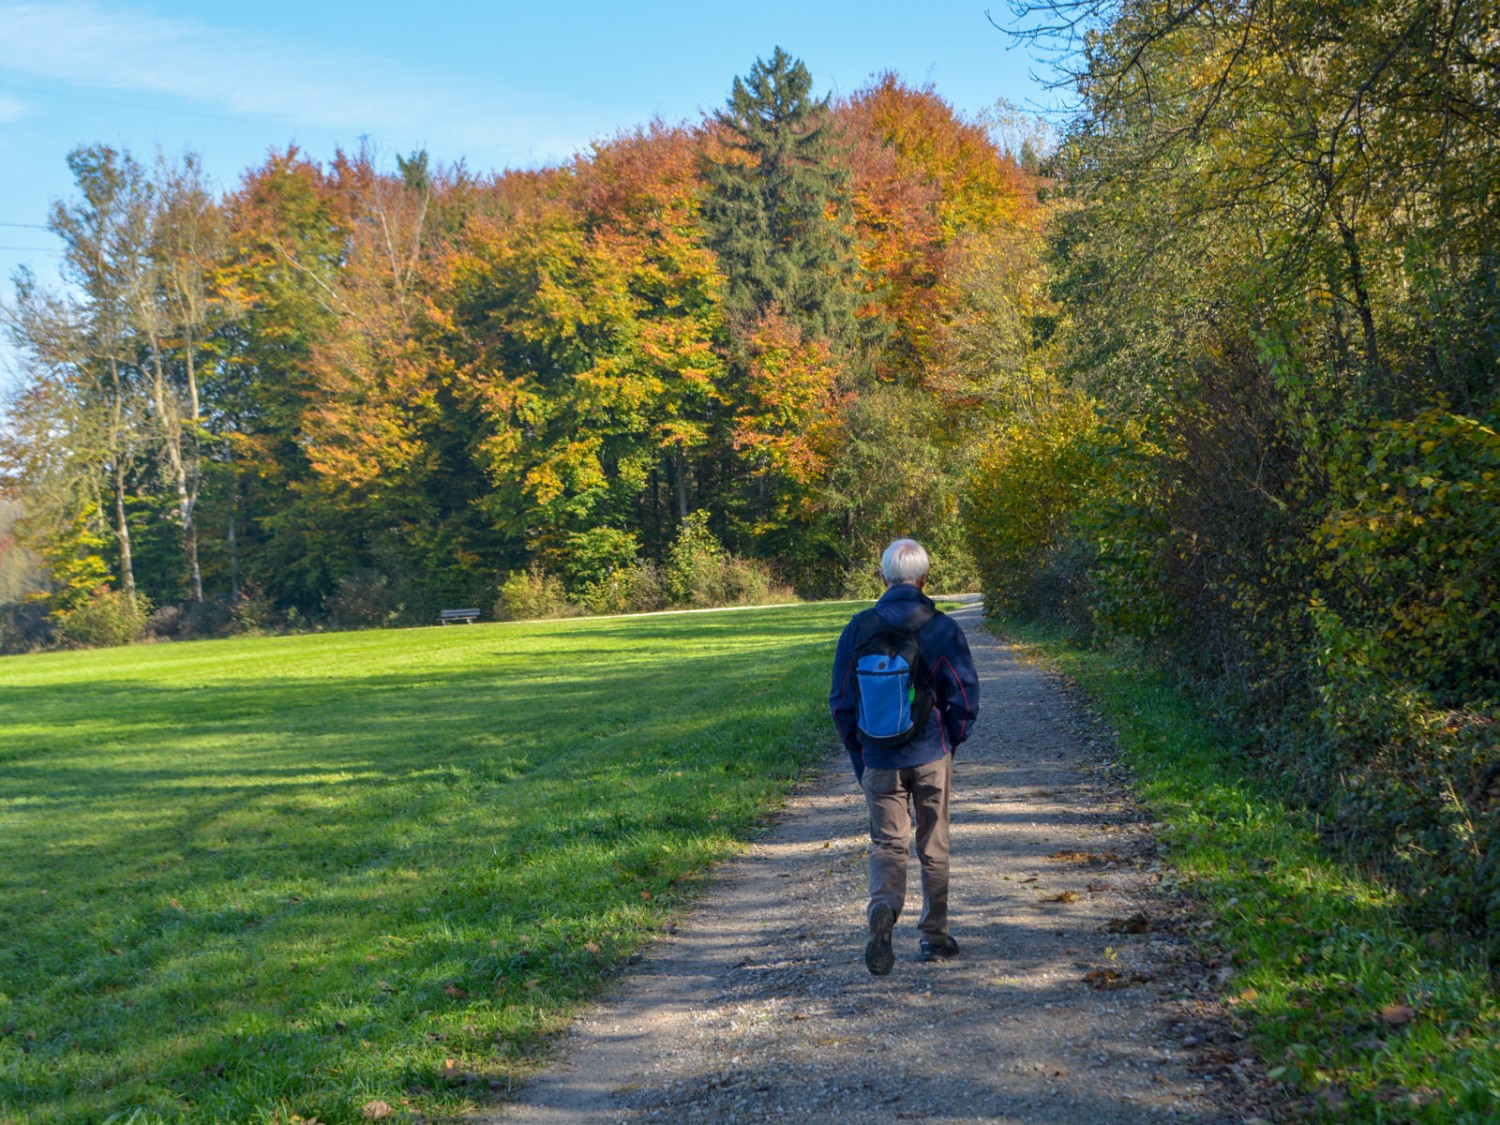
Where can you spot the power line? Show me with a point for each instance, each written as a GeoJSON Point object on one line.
{"type": "Point", "coordinates": [33, 249]}
{"type": "Point", "coordinates": [26, 226]}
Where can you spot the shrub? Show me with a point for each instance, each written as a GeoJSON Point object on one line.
{"type": "Point", "coordinates": [629, 589]}
{"type": "Point", "coordinates": [1029, 481]}
{"type": "Point", "coordinates": [698, 572]}
{"type": "Point", "coordinates": [531, 594]}
{"type": "Point", "coordinates": [252, 613]}
{"type": "Point", "coordinates": [106, 618]}
{"type": "Point", "coordinates": [1405, 661]}
{"type": "Point", "coordinates": [1410, 553]}
{"type": "Point", "coordinates": [363, 600]}
{"type": "Point", "coordinates": [863, 582]}
{"type": "Point", "coordinates": [165, 621]}
{"type": "Point", "coordinates": [1064, 590]}
{"type": "Point", "coordinates": [747, 582]}
{"type": "Point", "coordinates": [190, 621]}
{"type": "Point", "coordinates": [1410, 785]}
{"type": "Point", "coordinates": [1130, 554]}
{"type": "Point", "coordinates": [693, 573]}
{"type": "Point", "coordinates": [591, 556]}
{"type": "Point", "coordinates": [24, 627]}
{"type": "Point", "coordinates": [953, 567]}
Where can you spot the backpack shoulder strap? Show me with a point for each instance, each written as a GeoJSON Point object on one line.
{"type": "Point", "coordinates": [867, 625]}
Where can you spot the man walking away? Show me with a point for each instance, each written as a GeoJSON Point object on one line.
{"type": "Point", "coordinates": [905, 695]}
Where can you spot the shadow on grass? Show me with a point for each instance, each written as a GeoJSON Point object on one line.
{"type": "Point", "coordinates": [441, 859]}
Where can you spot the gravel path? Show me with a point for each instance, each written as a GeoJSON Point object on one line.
{"type": "Point", "coordinates": [1067, 1003]}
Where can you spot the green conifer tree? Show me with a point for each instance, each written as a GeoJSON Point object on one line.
{"type": "Point", "coordinates": [779, 209]}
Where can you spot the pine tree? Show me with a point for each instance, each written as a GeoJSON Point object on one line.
{"type": "Point", "coordinates": [779, 208]}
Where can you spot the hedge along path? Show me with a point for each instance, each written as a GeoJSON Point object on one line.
{"type": "Point", "coordinates": [758, 1004]}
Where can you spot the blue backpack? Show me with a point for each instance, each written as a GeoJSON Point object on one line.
{"type": "Point", "coordinates": [894, 685]}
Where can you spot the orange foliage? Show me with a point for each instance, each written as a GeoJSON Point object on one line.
{"type": "Point", "coordinates": [925, 182]}
{"type": "Point", "coordinates": [372, 378]}
{"type": "Point", "coordinates": [792, 415]}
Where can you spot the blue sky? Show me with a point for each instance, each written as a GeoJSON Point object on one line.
{"type": "Point", "coordinates": [497, 85]}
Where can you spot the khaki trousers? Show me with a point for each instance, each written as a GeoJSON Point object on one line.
{"type": "Point", "coordinates": [887, 793]}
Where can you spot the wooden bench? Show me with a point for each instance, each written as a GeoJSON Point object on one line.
{"type": "Point", "coordinates": [467, 616]}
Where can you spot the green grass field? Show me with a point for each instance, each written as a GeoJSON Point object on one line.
{"type": "Point", "coordinates": [273, 879]}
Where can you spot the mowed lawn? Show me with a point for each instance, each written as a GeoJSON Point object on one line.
{"type": "Point", "coordinates": [279, 878]}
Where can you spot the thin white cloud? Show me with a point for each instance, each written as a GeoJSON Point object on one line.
{"type": "Point", "coordinates": [94, 46]}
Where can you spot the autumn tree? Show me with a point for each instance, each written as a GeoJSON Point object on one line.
{"type": "Point", "coordinates": [175, 309]}
{"type": "Point", "coordinates": [286, 235]}
{"type": "Point", "coordinates": [80, 421]}
{"type": "Point", "coordinates": [583, 329]}
{"type": "Point", "coordinates": [931, 192]}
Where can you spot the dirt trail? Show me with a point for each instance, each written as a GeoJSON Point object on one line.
{"type": "Point", "coordinates": [759, 1005]}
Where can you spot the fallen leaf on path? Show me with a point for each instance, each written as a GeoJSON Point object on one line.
{"type": "Point", "coordinates": [375, 1110]}
{"type": "Point", "coordinates": [1108, 979]}
{"type": "Point", "coordinates": [1103, 978]}
{"type": "Point", "coordinates": [1397, 1015]}
{"type": "Point", "coordinates": [1135, 924]}
{"type": "Point", "coordinates": [1033, 879]}
{"type": "Point", "coordinates": [1094, 859]}
{"type": "Point", "coordinates": [1066, 896]}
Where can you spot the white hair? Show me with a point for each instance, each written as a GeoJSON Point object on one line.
{"type": "Point", "coordinates": [905, 560]}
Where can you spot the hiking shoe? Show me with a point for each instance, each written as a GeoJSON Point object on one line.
{"type": "Point", "coordinates": [879, 957]}
{"type": "Point", "coordinates": [937, 949]}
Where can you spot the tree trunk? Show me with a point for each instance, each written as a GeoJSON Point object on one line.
{"type": "Point", "coordinates": [234, 561]}
{"type": "Point", "coordinates": [171, 430]}
{"type": "Point", "coordinates": [679, 482]}
{"type": "Point", "coordinates": [1361, 294]}
{"type": "Point", "coordinates": [190, 545]}
{"type": "Point", "coordinates": [118, 447]}
{"type": "Point", "coordinates": [122, 532]}
{"type": "Point", "coordinates": [234, 549]}
{"type": "Point", "coordinates": [193, 471]}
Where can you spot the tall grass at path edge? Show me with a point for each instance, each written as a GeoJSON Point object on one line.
{"type": "Point", "coordinates": [280, 879]}
{"type": "Point", "coordinates": [1359, 1017]}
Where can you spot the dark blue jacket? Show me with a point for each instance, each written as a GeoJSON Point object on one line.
{"type": "Point", "coordinates": [955, 687]}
